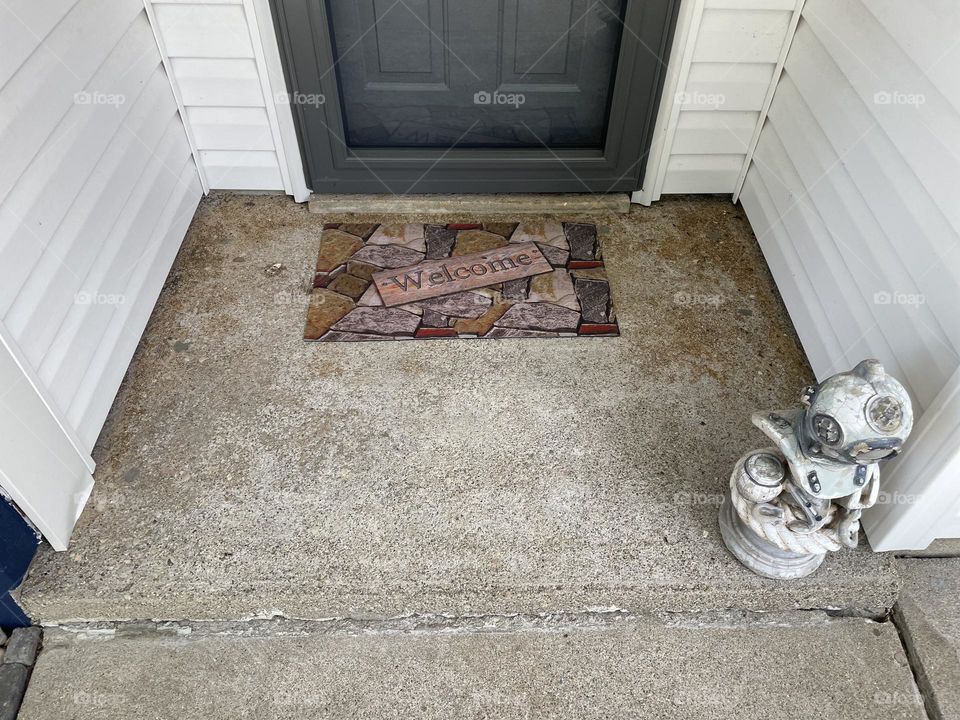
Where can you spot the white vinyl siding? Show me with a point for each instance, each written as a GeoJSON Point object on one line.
{"type": "Point", "coordinates": [97, 191]}
{"type": "Point", "coordinates": [726, 54]}
{"type": "Point", "coordinates": [95, 151]}
{"type": "Point", "coordinates": [859, 198]}
{"type": "Point", "coordinates": [853, 190]}
{"type": "Point", "coordinates": [219, 66]}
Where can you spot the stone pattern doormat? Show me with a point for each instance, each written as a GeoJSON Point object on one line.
{"type": "Point", "coordinates": [565, 292]}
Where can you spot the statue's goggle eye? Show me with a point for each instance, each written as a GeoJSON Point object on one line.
{"type": "Point", "coordinates": [827, 430]}
{"type": "Point", "coordinates": [885, 413]}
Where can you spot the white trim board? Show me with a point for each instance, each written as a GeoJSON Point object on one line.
{"type": "Point", "coordinates": [921, 487]}
{"type": "Point", "coordinates": [40, 466]}
{"type": "Point", "coordinates": [267, 48]}
{"type": "Point", "coordinates": [768, 100]}
{"type": "Point", "coordinates": [28, 375]}
{"type": "Point", "coordinates": [678, 70]}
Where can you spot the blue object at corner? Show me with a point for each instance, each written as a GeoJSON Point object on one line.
{"type": "Point", "coordinates": [18, 544]}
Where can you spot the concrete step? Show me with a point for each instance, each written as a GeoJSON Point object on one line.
{"type": "Point", "coordinates": [603, 666]}
{"type": "Point", "coordinates": [928, 614]}
{"type": "Point", "coordinates": [243, 472]}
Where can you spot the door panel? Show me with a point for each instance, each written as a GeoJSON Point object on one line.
{"type": "Point", "coordinates": [469, 73]}
{"type": "Point", "coordinates": [562, 55]}
{"type": "Point", "coordinates": [406, 46]}
{"type": "Point", "coordinates": [475, 95]}
{"type": "Point", "coordinates": [539, 35]}
{"type": "Point", "coordinates": [403, 41]}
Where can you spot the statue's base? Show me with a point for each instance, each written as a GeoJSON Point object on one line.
{"type": "Point", "coordinates": [759, 555]}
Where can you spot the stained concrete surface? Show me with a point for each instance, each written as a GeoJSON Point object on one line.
{"type": "Point", "coordinates": [928, 613]}
{"type": "Point", "coordinates": [243, 472]}
{"type": "Point", "coordinates": [796, 665]}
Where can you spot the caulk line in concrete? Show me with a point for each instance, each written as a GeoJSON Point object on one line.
{"type": "Point", "coordinates": [278, 625]}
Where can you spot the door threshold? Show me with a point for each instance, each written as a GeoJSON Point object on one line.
{"type": "Point", "coordinates": [473, 205]}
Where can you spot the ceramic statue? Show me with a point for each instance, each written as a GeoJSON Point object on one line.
{"type": "Point", "coordinates": [789, 505]}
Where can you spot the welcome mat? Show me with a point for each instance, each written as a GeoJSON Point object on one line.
{"type": "Point", "coordinates": [479, 280]}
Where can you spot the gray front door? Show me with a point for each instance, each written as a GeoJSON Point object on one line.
{"type": "Point", "coordinates": [408, 96]}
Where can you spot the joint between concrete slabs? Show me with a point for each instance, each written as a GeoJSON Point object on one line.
{"type": "Point", "coordinates": [920, 678]}
{"type": "Point", "coordinates": [467, 620]}
{"type": "Point", "coordinates": [426, 624]}
{"type": "Point", "coordinates": [550, 640]}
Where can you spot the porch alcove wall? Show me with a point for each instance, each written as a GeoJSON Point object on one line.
{"type": "Point", "coordinates": [226, 70]}
{"type": "Point", "coordinates": [853, 195]}
{"type": "Point", "coordinates": [97, 191]}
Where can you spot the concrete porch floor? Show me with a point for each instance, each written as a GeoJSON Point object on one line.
{"type": "Point", "coordinates": [244, 473]}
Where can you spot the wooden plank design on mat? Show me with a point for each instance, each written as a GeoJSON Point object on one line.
{"type": "Point", "coordinates": [447, 276]}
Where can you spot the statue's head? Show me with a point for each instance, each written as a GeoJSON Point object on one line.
{"type": "Point", "coordinates": [863, 416]}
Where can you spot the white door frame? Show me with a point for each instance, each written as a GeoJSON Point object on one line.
{"type": "Point", "coordinates": [266, 50]}
{"type": "Point", "coordinates": [678, 69]}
